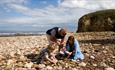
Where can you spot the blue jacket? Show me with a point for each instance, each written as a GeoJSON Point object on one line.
{"type": "Point", "coordinates": [78, 54]}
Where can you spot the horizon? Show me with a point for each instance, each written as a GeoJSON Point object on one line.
{"type": "Point", "coordinates": [36, 15]}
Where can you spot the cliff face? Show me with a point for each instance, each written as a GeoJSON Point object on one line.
{"type": "Point", "coordinates": [97, 21]}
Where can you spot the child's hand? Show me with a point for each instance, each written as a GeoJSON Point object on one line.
{"type": "Point", "coordinates": [70, 53]}
{"type": "Point", "coordinates": [54, 61]}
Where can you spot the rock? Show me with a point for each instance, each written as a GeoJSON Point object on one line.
{"type": "Point", "coordinates": [18, 52]}
{"type": "Point", "coordinates": [74, 69]}
{"type": "Point", "coordinates": [87, 54]}
{"type": "Point", "coordinates": [83, 64]}
{"type": "Point", "coordinates": [113, 57]}
{"type": "Point", "coordinates": [59, 67]}
{"type": "Point", "coordinates": [41, 66]}
{"type": "Point", "coordinates": [8, 67]}
{"type": "Point", "coordinates": [97, 21]}
{"type": "Point", "coordinates": [2, 57]}
{"type": "Point", "coordinates": [103, 64]}
{"type": "Point", "coordinates": [12, 54]}
{"type": "Point", "coordinates": [96, 44]}
{"type": "Point", "coordinates": [28, 65]}
{"type": "Point", "coordinates": [49, 68]}
{"type": "Point", "coordinates": [21, 68]}
{"type": "Point", "coordinates": [20, 64]}
{"type": "Point", "coordinates": [66, 65]}
{"type": "Point", "coordinates": [104, 51]}
{"type": "Point", "coordinates": [22, 58]}
{"type": "Point", "coordinates": [95, 65]}
{"type": "Point", "coordinates": [10, 62]}
{"type": "Point", "coordinates": [109, 68]}
{"type": "Point", "coordinates": [92, 57]}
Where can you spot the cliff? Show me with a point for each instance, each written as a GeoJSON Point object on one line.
{"type": "Point", "coordinates": [98, 21]}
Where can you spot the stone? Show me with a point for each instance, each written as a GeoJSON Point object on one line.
{"type": "Point", "coordinates": [104, 51]}
{"type": "Point", "coordinates": [83, 64]}
{"type": "Point", "coordinates": [8, 67]}
{"type": "Point", "coordinates": [92, 57]}
{"type": "Point", "coordinates": [2, 57]}
{"type": "Point", "coordinates": [113, 56]}
{"type": "Point", "coordinates": [109, 68]}
{"type": "Point", "coordinates": [18, 52]}
{"type": "Point", "coordinates": [103, 64]}
{"type": "Point", "coordinates": [28, 65]}
{"type": "Point", "coordinates": [96, 44]}
{"type": "Point", "coordinates": [95, 65]}
{"type": "Point", "coordinates": [21, 68]}
{"type": "Point", "coordinates": [49, 68]}
{"type": "Point", "coordinates": [20, 64]}
{"type": "Point", "coordinates": [12, 54]}
{"type": "Point", "coordinates": [41, 66]}
{"type": "Point", "coordinates": [10, 62]}
{"type": "Point", "coordinates": [59, 67]}
{"type": "Point", "coordinates": [74, 69]}
{"type": "Point", "coordinates": [22, 58]}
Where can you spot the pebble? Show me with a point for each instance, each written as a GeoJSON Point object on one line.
{"type": "Point", "coordinates": [92, 57]}
{"type": "Point", "coordinates": [95, 65]}
{"type": "Point", "coordinates": [9, 62]}
{"type": "Point", "coordinates": [41, 66]}
{"type": "Point", "coordinates": [104, 51]}
{"type": "Point", "coordinates": [74, 69]}
{"type": "Point", "coordinates": [20, 64]}
{"type": "Point", "coordinates": [49, 68]}
{"type": "Point", "coordinates": [109, 68]}
{"type": "Point", "coordinates": [22, 58]}
{"type": "Point", "coordinates": [12, 54]}
{"type": "Point", "coordinates": [103, 64]}
{"type": "Point", "coordinates": [1, 57]}
{"type": "Point", "coordinates": [113, 57]}
{"type": "Point", "coordinates": [59, 67]}
{"type": "Point", "coordinates": [83, 64]}
{"type": "Point", "coordinates": [28, 65]}
{"type": "Point", "coordinates": [16, 59]}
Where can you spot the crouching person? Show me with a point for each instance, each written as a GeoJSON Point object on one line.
{"type": "Point", "coordinates": [56, 33]}
{"type": "Point", "coordinates": [47, 54]}
{"type": "Point", "coordinates": [73, 50]}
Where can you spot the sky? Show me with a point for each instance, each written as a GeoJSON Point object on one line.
{"type": "Point", "coordinates": [35, 15]}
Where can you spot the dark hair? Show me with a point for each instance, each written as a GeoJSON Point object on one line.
{"type": "Point", "coordinates": [72, 39]}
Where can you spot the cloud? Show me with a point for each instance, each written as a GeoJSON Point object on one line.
{"type": "Point", "coordinates": [26, 11]}
{"type": "Point", "coordinates": [89, 4]}
{"type": "Point", "coordinates": [73, 3]}
{"type": "Point", "coordinates": [13, 1]}
{"type": "Point", "coordinates": [67, 11]}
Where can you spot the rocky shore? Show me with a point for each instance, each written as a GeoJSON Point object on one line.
{"type": "Point", "coordinates": [18, 52]}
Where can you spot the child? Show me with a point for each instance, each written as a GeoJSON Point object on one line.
{"type": "Point", "coordinates": [47, 54]}
{"type": "Point", "coordinates": [73, 50]}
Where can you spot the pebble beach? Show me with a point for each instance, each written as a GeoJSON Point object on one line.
{"type": "Point", "coordinates": [17, 52]}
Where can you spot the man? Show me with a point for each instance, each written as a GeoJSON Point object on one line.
{"type": "Point", "coordinates": [56, 33]}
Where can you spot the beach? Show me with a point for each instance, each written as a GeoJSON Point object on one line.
{"type": "Point", "coordinates": [17, 52]}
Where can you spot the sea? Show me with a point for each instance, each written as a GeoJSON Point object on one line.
{"type": "Point", "coordinates": [39, 30]}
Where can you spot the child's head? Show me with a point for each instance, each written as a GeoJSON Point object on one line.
{"type": "Point", "coordinates": [70, 40]}
{"type": "Point", "coordinates": [51, 48]}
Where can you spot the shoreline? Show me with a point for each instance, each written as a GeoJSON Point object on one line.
{"type": "Point", "coordinates": [39, 34]}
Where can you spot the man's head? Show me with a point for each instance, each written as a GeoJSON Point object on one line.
{"type": "Point", "coordinates": [63, 32]}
